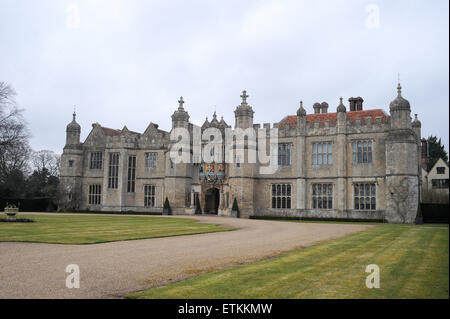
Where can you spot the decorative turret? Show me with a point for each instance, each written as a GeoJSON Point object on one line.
{"type": "Point", "coordinates": [73, 131]}
{"type": "Point", "coordinates": [416, 122]}
{"type": "Point", "coordinates": [341, 106]}
{"type": "Point", "coordinates": [402, 163]}
{"type": "Point", "coordinates": [324, 107]}
{"type": "Point", "coordinates": [301, 119]}
{"type": "Point", "coordinates": [400, 110]}
{"type": "Point", "coordinates": [301, 112]}
{"type": "Point", "coordinates": [244, 113]}
{"type": "Point", "coordinates": [180, 117]}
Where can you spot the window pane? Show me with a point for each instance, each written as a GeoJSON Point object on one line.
{"type": "Point", "coordinates": [356, 203]}
{"type": "Point", "coordinates": [373, 189]}
{"type": "Point", "coordinates": [367, 189]}
{"type": "Point", "coordinates": [278, 202]}
{"type": "Point", "coordinates": [274, 190]}
{"type": "Point", "coordinates": [283, 202]}
{"type": "Point", "coordinates": [314, 189]}
{"type": "Point", "coordinates": [330, 159]}
{"type": "Point", "coordinates": [319, 199]}
{"type": "Point", "coordinates": [330, 202]}
{"type": "Point", "coordinates": [356, 190]}
{"type": "Point", "coordinates": [373, 203]}
{"type": "Point", "coordinates": [278, 190]}
{"type": "Point", "coordinates": [330, 189]}
{"type": "Point", "coordinates": [288, 202]}
{"type": "Point", "coordinates": [319, 189]}
{"type": "Point", "coordinates": [314, 159]}
{"type": "Point", "coordinates": [283, 190]}
{"type": "Point", "coordinates": [288, 187]}
{"type": "Point", "coordinates": [324, 202]}
{"type": "Point", "coordinates": [314, 202]}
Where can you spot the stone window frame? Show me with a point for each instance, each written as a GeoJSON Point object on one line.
{"type": "Point", "coordinates": [71, 163]}
{"type": "Point", "coordinates": [131, 179]}
{"type": "Point", "coordinates": [113, 170]}
{"type": "Point", "coordinates": [369, 197]}
{"type": "Point", "coordinates": [150, 160]}
{"type": "Point", "coordinates": [149, 195]}
{"type": "Point", "coordinates": [96, 160]}
{"type": "Point", "coordinates": [95, 194]}
{"type": "Point", "coordinates": [441, 183]}
{"type": "Point", "coordinates": [440, 170]}
{"type": "Point", "coordinates": [285, 155]}
{"type": "Point", "coordinates": [238, 161]}
{"type": "Point", "coordinates": [327, 154]}
{"type": "Point", "coordinates": [321, 199]}
{"type": "Point", "coordinates": [281, 195]}
{"type": "Point", "coordinates": [365, 155]}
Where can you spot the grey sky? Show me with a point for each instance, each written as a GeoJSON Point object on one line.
{"type": "Point", "coordinates": [127, 62]}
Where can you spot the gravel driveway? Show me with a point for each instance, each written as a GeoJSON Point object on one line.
{"type": "Point", "coordinates": [110, 270]}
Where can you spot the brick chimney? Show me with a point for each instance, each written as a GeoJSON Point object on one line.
{"type": "Point", "coordinates": [424, 156]}
{"type": "Point", "coordinates": [356, 103]}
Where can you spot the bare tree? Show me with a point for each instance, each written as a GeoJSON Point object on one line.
{"type": "Point", "coordinates": [14, 148]}
{"type": "Point", "coordinates": [46, 160]}
{"type": "Point", "coordinates": [13, 130]}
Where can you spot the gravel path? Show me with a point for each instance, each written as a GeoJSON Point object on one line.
{"type": "Point", "coordinates": [110, 270]}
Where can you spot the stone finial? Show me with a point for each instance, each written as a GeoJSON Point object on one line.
{"type": "Point", "coordinates": [180, 114]}
{"type": "Point", "coordinates": [341, 106]}
{"type": "Point", "coordinates": [399, 89]}
{"type": "Point", "coordinates": [301, 111]}
{"type": "Point", "coordinates": [180, 103]}
{"type": "Point", "coordinates": [244, 97]}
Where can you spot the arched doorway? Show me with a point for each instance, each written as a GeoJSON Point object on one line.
{"type": "Point", "coordinates": [212, 199]}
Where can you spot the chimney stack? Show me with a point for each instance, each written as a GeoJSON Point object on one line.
{"type": "Point", "coordinates": [356, 103]}
{"type": "Point", "coordinates": [424, 156]}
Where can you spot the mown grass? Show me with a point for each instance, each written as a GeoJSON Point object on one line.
{"type": "Point", "coordinates": [90, 229]}
{"type": "Point", "coordinates": [413, 262]}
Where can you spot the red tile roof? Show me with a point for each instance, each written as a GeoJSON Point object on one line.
{"type": "Point", "coordinates": [321, 117]}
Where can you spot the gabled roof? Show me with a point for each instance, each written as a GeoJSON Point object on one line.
{"type": "Point", "coordinates": [115, 132]}
{"type": "Point", "coordinates": [322, 117]}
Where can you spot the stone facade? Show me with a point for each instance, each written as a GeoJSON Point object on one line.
{"type": "Point", "coordinates": [369, 167]}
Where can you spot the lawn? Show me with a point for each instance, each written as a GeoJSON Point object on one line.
{"type": "Point", "coordinates": [90, 229]}
{"type": "Point", "coordinates": [413, 262]}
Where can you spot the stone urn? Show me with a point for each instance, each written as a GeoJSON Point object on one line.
{"type": "Point", "coordinates": [11, 212]}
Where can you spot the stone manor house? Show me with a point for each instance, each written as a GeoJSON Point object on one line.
{"type": "Point", "coordinates": [352, 163]}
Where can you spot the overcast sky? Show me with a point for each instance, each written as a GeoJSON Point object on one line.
{"type": "Point", "coordinates": [128, 62]}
